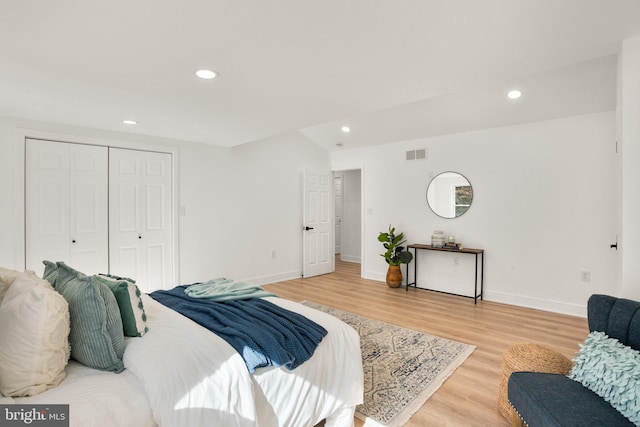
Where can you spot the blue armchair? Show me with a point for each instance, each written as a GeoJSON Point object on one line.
{"type": "Point", "coordinates": [543, 400]}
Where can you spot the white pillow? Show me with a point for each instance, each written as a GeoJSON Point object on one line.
{"type": "Point", "coordinates": [6, 279]}
{"type": "Point", "coordinates": [34, 336]}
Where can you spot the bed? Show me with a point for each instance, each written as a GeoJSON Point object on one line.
{"type": "Point", "coordinates": [181, 374]}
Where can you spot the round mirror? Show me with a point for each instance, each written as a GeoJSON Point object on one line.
{"type": "Point", "coordinates": [449, 195]}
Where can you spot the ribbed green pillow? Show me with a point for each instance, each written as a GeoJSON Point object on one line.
{"type": "Point", "coordinates": [96, 336]}
{"type": "Point", "coordinates": [50, 272]}
{"type": "Point", "coordinates": [612, 371]}
{"type": "Point", "coordinates": [134, 319]}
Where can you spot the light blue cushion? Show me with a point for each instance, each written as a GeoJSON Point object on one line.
{"type": "Point", "coordinates": [612, 371]}
{"type": "Point", "coordinates": [96, 336]}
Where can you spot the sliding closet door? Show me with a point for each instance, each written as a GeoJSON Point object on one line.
{"type": "Point", "coordinates": [66, 214]}
{"type": "Point", "coordinates": [140, 217]}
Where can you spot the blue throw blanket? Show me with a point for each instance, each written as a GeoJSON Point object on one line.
{"type": "Point", "coordinates": [263, 333]}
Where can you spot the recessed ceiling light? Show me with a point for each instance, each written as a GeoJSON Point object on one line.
{"type": "Point", "coordinates": [206, 74]}
{"type": "Point", "coordinates": [514, 94]}
{"type": "Point", "coordinates": [346, 129]}
{"type": "Point", "coordinates": [129, 122]}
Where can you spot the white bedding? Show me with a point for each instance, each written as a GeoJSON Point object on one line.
{"type": "Point", "coordinates": [331, 380]}
{"type": "Point", "coordinates": [98, 398]}
{"type": "Point", "coordinates": [180, 374]}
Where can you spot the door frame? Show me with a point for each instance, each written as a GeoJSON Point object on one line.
{"type": "Point", "coordinates": [19, 209]}
{"type": "Point", "coordinates": [361, 167]}
{"type": "Point", "coordinates": [334, 175]}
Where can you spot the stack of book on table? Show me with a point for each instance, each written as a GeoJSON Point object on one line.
{"type": "Point", "coordinates": [455, 246]}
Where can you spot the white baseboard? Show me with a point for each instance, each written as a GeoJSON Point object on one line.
{"type": "Point", "coordinates": [537, 303]}
{"type": "Point", "coordinates": [280, 277]}
{"type": "Point", "coordinates": [375, 276]}
{"type": "Point", "coordinates": [579, 310]}
{"type": "Point", "coordinates": [382, 277]}
{"type": "Point", "coordinates": [350, 258]}
{"type": "Point", "coordinates": [517, 300]}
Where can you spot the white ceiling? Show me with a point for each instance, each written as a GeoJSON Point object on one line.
{"type": "Point", "coordinates": [392, 70]}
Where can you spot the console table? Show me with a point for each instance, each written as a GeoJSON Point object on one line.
{"type": "Point", "coordinates": [479, 253]}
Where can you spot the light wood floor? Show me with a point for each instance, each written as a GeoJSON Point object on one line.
{"type": "Point", "coordinates": [469, 396]}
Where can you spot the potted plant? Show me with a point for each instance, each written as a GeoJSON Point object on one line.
{"type": "Point", "coordinates": [395, 255]}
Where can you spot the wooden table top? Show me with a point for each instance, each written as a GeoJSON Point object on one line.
{"type": "Point", "coordinates": [431, 248]}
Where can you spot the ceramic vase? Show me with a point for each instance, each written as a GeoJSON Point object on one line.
{"type": "Point", "coordinates": [394, 276]}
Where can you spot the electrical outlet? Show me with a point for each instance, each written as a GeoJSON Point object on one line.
{"type": "Point", "coordinates": [586, 276]}
{"type": "Point", "coordinates": [456, 260]}
{"type": "Point", "coordinates": [273, 254]}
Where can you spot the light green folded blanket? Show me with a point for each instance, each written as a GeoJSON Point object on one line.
{"type": "Point", "coordinates": [222, 289]}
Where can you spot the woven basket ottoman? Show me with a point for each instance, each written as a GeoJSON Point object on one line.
{"type": "Point", "coordinates": [531, 358]}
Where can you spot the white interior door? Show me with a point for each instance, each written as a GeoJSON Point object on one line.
{"type": "Point", "coordinates": [66, 216]}
{"type": "Point", "coordinates": [318, 225]}
{"type": "Point", "coordinates": [140, 206]}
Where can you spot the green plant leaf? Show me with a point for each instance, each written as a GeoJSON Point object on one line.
{"type": "Point", "coordinates": [405, 257]}
{"type": "Point", "coordinates": [396, 253]}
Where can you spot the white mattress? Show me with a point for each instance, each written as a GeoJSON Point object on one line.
{"type": "Point", "coordinates": [180, 374]}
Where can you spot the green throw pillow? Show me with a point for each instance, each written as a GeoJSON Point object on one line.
{"type": "Point", "coordinates": [134, 319]}
{"type": "Point", "coordinates": [50, 272]}
{"type": "Point", "coordinates": [612, 371]}
{"type": "Point", "coordinates": [96, 335]}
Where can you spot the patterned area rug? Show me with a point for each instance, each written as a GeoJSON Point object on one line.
{"type": "Point", "coordinates": [402, 368]}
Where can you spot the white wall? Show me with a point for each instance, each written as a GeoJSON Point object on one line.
{"type": "Point", "coordinates": [544, 208]}
{"type": "Point", "coordinates": [629, 104]}
{"type": "Point", "coordinates": [8, 255]}
{"type": "Point", "coordinates": [239, 204]}
{"type": "Point", "coordinates": [352, 214]}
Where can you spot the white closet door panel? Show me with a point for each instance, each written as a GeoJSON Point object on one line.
{"type": "Point", "coordinates": [155, 201]}
{"type": "Point", "coordinates": [46, 203]}
{"type": "Point", "coordinates": [89, 208]}
{"type": "Point", "coordinates": [156, 167]}
{"type": "Point", "coordinates": [128, 210]}
{"type": "Point", "coordinates": [157, 229]}
{"type": "Point", "coordinates": [156, 263]}
{"type": "Point", "coordinates": [126, 167]}
{"type": "Point", "coordinates": [124, 220]}
{"type": "Point", "coordinates": [85, 206]}
{"type": "Point", "coordinates": [52, 197]}
{"type": "Point", "coordinates": [128, 260]}
{"type": "Point", "coordinates": [89, 261]}
{"type": "Point", "coordinates": [66, 212]}
{"type": "Point", "coordinates": [141, 216]}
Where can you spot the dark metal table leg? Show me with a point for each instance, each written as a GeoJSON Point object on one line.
{"type": "Point", "coordinates": [475, 288]}
{"type": "Point", "coordinates": [482, 279]}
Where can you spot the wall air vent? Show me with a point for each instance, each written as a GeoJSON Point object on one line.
{"type": "Point", "coordinates": [420, 154]}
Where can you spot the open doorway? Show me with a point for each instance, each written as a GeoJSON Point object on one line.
{"type": "Point", "coordinates": [348, 216]}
